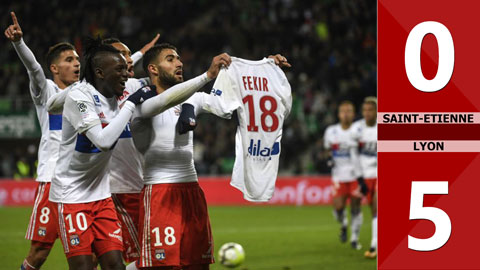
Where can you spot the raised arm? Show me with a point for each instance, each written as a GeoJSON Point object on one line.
{"type": "Point", "coordinates": [37, 76]}
{"type": "Point", "coordinates": [139, 54]}
{"type": "Point", "coordinates": [181, 92]}
{"type": "Point", "coordinates": [84, 117]}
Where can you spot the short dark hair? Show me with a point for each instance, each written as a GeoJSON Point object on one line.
{"type": "Point", "coordinates": [55, 51]}
{"type": "Point", "coordinates": [111, 40]}
{"type": "Point", "coordinates": [346, 102]}
{"type": "Point", "coordinates": [95, 50]}
{"type": "Point", "coordinates": [153, 53]}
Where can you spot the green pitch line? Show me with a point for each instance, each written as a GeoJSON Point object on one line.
{"type": "Point", "coordinates": [274, 238]}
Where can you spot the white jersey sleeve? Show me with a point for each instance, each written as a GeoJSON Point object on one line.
{"type": "Point", "coordinates": [38, 81]}
{"type": "Point", "coordinates": [84, 116]}
{"type": "Point", "coordinates": [136, 57]}
{"type": "Point", "coordinates": [172, 96]}
{"type": "Point", "coordinates": [366, 138]}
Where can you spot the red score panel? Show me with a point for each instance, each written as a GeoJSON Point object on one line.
{"type": "Point", "coordinates": [428, 134]}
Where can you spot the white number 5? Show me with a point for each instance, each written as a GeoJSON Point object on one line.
{"type": "Point", "coordinates": [443, 225]}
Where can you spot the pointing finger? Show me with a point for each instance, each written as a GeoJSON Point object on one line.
{"type": "Point", "coordinates": [14, 18]}
{"type": "Point", "coordinates": [156, 38]}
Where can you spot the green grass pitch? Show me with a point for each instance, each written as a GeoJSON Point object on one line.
{"type": "Point", "coordinates": [274, 238]}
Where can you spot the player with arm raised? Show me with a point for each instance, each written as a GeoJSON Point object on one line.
{"type": "Point", "coordinates": [365, 133]}
{"type": "Point", "coordinates": [132, 59]}
{"type": "Point", "coordinates": [92, 123]}
{"type": "Point", "coordinates": [174, 225]}
{"type": "Point", "coordinates": [63, 62]}
{"type": "Point", "coordinates": [346, 183]}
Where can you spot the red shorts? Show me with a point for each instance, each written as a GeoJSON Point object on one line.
{"type": "Point", "coordinates": [174, 226]}
{"type": "Point", "coordinates": [42, 227]}
{"type": "Point", "coordinates": [348, 189]}
{"type": "Point", "coordinates": [87, 228]}
{"type": "Point", "coordinates": [128, 207]}
{"type": "Point", "coordinates": [372, 188]}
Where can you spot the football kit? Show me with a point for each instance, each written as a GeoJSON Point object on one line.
{"type": "Point", "coordinates": [42, 227]}
{"type": "Point", "coordinates": [260, 93]}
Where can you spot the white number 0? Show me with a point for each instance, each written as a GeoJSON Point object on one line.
{"type": "Point", "coordinates": [446, 56]}
{"type": "Point", "coordinates": [443, 225]}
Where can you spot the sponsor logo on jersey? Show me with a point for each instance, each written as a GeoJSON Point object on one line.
{"type": "Point", "coordinates": [255, 149]}
{"type": "Point", "coordinates": [216, 92]}
{"type": "Point", "coordinates": [160, 254]}
{"type": "Point", "coordinates": [96, 100]}
{"type": "Point", "coordinates": [74, 240]}
{"type": "Point", "coordinates": [42, 231]}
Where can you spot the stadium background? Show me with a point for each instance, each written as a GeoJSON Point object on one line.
{"type": "Point", "coordinates": [331, 45]}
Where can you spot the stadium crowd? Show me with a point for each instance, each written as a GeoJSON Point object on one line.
{"type": "Point", "coordinates": [331, 45]}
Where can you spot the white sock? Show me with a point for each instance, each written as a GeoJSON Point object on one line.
{"type": "Point", "coordinates": [374, 233]}
{"type": "Point", "coordinates": [132, 266]}
{"type": "Point", "coordinates": [357, 220]}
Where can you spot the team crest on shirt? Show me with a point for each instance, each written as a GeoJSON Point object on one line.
{"type": "Point", "coordinates": [160, 254]}
{"type": "Point", "coordinates": [96, 100]}
{"type": "Point", "coordinates": [82, 107]}
{"type": "Point", "coordinates": [74, 240]}
{"type": "Point", "coordinates": [42, 231]}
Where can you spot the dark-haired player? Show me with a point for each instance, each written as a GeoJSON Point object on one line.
{"type": "Point", "coordinates": [92, 123]}
{"type": "Point", "coordinates": [132, 59]}
{"type": "Point", "coordinates": [346, 183]}
{"type": "Point", "coordinates": [174, 225]}
{"type": "Point", "coordinates": [126, 174]}
{"type": "Point", "coordinates": [64, 64]}
{"type": "Point", "coordinates": [365, 134]}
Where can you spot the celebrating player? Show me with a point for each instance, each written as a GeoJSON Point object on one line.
{"type": "Point", "coordinates": [126, 174]}
{"type": "Point", "coordinates": [87, 221]}
{"type": "Point", "coordinates": [338, 141]}
{"type": "Point", "coordinates": [365, 133]}
{"type": "Point", "coordinates": [64, 64]}
{"type": "Point", "coordinates": [174, 224]}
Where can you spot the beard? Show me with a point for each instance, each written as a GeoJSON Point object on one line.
{"type": "Point", "coordinates": [168, 80]}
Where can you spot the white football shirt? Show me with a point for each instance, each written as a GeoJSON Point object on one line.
{"type": "Point", "coordinates": [341, 143]}
{"type": "Point", "coordinates": [82, 172]}
{"type": "Point", "coordinates": [126, 172]}
{"type": "Point", "coordinates": [366, 138]}
{"type": "Point", "coordinates": [260, 93]}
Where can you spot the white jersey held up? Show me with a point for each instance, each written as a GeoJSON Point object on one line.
{"type": "Point", "coordinates": [366, 138]}
{"type": "Point", "coordinates": [342, 146]}
{"type": "Point", "coordinates": [260, 93]}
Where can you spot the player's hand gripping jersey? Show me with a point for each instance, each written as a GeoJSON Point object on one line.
{"type": "Point", "coordinates": [261, 94]}
{"type": "Point", "coordinates": [366, 137]}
